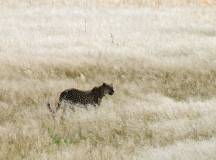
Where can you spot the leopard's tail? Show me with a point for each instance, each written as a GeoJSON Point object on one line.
{"type": "Point", "coordinates": [51, 109]}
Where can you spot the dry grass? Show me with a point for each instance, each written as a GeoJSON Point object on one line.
{"type": "Point", "coordinates": [113, 3]}
{"type": "Point", "coordinates": [162, 65]}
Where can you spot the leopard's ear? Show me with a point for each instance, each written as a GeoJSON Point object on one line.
{"type": "Point", "coordinates": [94, 89]}
{"type": "Point", "coordinates": [104, 84]}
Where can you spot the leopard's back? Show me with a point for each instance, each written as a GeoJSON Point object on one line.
{"type": "Point", "coordinates": [76, 96]}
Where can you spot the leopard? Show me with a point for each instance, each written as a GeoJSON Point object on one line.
{"type": "Point", "coordinates": [83, 98]}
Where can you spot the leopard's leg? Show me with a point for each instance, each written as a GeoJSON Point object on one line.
{"type": "Point", "coordinates": [64, 107]}
{"type": "Point", "coordinates": [63, 113]}
{"type": "Point", "coordinates": [97, 103]}
{"type": "Point", "coordinates": [58, 106]}
{"type": "Point", "coordinates": [72, 108]}
{"type": "Point", "coordinates": [95, 106]}
{"type": "Point", "coordinates": [86, 107]}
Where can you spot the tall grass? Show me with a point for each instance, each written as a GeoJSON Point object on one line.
{"type": "Point", "coordinates": [162, 65]}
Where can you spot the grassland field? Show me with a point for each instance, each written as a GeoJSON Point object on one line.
{"type": "Point", "coordinates": [161, 60]}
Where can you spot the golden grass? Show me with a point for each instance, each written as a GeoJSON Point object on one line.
{"type": "Point", "coordinates": [162, 67]}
